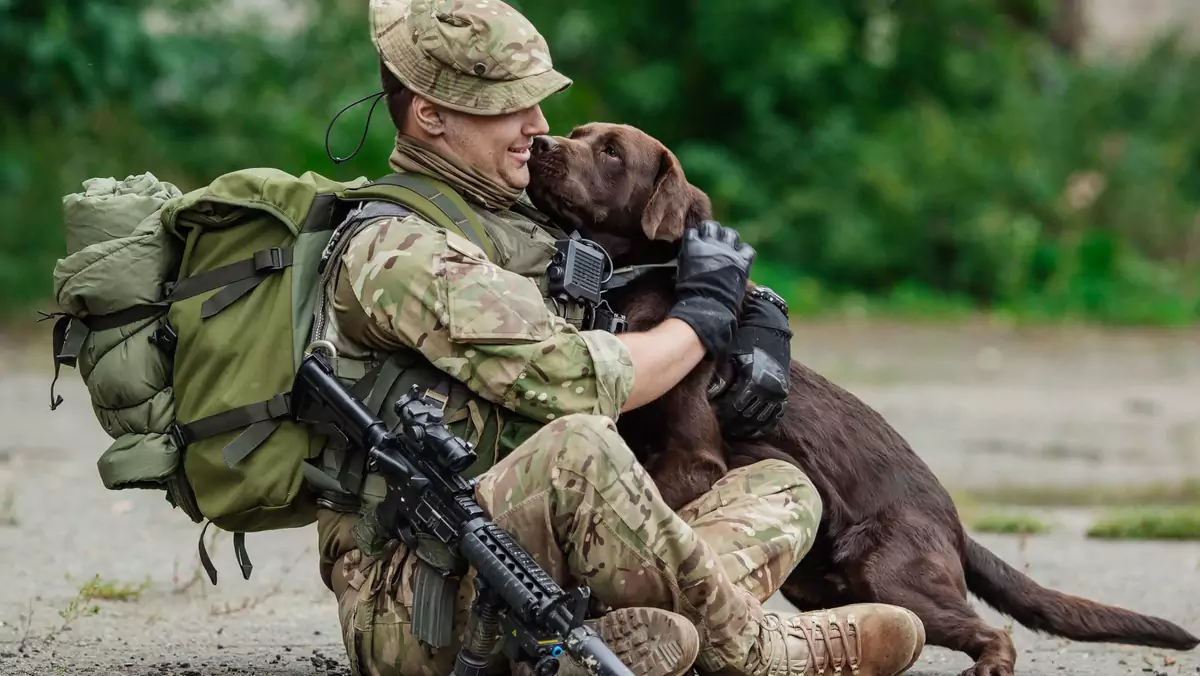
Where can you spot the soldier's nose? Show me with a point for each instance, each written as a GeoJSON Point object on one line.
{"type": "Point", "coordinates": [544, 143]}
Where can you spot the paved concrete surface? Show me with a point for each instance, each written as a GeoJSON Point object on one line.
{"type": "Point", "coordinates": [982, 405]}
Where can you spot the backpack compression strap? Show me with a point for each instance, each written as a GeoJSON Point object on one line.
{"type": "Point", "coordinates": [238, 278]}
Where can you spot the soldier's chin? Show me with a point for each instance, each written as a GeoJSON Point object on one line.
{"type": "Point", "coordinates": [517, 178]}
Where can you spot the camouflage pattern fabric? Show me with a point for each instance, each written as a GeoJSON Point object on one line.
{"type": "Point", "coordinates": [579, 502]}
{"type": "Point", "coordinates": [408, 284]}
{"type": "Point", "coordinates": [475, 56]}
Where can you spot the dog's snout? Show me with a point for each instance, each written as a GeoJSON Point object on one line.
{"type": "Point", "coordinates": [544, 143]}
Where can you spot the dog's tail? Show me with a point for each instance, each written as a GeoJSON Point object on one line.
{"type": "Point", "coordinates": [1009, 591]}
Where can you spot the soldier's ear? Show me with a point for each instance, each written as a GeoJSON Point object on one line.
{"type": "Point", "coordinates": [427, 115]}
{"type": "Point", "coordinates": [674, 204]}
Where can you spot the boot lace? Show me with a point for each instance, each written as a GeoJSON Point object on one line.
{"type": "Point", "coordinates": [820, 628]}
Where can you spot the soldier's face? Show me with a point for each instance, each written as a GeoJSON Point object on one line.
{"type": "Point", "coordinates": [497, 145]}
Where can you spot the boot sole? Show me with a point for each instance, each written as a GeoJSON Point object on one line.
{"type": "Point", "coordinates": [920, 627]}
{"type": "Point", "coordinates": [650, 642]}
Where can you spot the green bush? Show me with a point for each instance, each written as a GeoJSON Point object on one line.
{"type": "Point", "coordinates": [921, 155]}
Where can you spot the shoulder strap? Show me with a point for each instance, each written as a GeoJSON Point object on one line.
{"type": "Point", "coordinates": [432, 199]}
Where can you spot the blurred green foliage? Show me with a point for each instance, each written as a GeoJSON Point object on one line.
{"type": "Point", "coordinates": [934, 154]}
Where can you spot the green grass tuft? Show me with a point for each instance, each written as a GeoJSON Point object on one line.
{"type": "Point", "coordinates": [1009, 523]}
{"type": "Point", "coordinates": [109, 590]}
{"type": "Point", "coordinates": [1149, 524]}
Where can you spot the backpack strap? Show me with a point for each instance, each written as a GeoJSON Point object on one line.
{"type": "Point", "coordinates": [238, 278]}
{"type": "Point", "coordinates": [260, 419]}
{"type": "Point", "coordinates": [239, 552]}
{"type": "Point", "coordinates": [433, 200]}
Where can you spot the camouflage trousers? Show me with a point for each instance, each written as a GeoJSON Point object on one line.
{"type": "Point", "coordinates": [576, 498]}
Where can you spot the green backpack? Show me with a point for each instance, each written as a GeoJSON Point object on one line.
{"type": "Point", "coordinates": [187, 316]}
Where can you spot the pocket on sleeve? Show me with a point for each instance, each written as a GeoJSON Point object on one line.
{"type": "Point", "coordinates": [487, 304]}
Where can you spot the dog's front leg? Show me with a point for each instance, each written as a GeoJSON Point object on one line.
{"type": "Point", "coordinates": [692, 458]}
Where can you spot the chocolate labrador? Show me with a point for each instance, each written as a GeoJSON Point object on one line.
{"type": "Point", "coordinates": [889, 531]}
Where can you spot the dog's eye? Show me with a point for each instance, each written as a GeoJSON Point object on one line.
{"type": "Point", "coordinates": [610, 151]}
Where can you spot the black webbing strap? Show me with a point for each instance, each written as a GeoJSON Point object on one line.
{"type": "Point", "coordinates": [59, 341]}
{"type": "Point", "coordinates": [389, 373]}
{"type": "Point", "coordinates": [239, 553]}
{"type": "Point", "coordinates": [354, 462]}
{"type": "Point", "coordinates": [68, 355]}
{"type": "Point", "coordinates": [242, 556]}
{"type": "Point", "coordinates": [127, 316]}
{"type": "Point", "coordinates": [225, 421]}
{"type": "Point", "coordinates": [362, 387]}
{"type": "Point", "coordinates": [260, 419]}
{"type": "Point", "coordinates": [239, 278]}
{"type": "Point", "coordinates": [251, 438]}
{"type": "Point", "coordinates": [68, 340]}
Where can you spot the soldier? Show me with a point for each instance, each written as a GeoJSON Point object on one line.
{"type": "Point", "coordinates": [538, 396]}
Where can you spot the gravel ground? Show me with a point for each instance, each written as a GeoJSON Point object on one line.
{"type": "Point", "coordinates": [983, 405]}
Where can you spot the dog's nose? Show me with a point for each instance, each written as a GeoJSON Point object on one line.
{"type": "Point", "coordinates": [544, 143]}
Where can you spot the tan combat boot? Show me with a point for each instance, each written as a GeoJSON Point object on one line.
{"type": "Point", "coordinates": [866, 639]}
{"type": "Point", "coordinates": [650, 641]}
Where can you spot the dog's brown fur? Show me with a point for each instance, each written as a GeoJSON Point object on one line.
{"type": "Point", "coordinates": [889, 531]}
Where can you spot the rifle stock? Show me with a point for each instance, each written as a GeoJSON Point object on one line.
{"type": "Point", "coordinates": [426, 494]}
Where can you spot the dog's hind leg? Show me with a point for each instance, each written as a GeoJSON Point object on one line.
{"type": "Point", "coordinates": [930, 582]}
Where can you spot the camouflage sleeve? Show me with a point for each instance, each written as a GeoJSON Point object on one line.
{"type": "Point", "coordinates": [425, 288]}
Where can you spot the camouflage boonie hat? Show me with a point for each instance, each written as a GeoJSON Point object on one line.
{"type": "Point", "coordinates": [474, 56]}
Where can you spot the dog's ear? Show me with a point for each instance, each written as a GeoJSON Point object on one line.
{"type": "Point", "coordinates": [674, 204]}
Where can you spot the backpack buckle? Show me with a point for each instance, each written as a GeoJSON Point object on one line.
{"type": "Point", "coordinates": [175, 432]}
{"type": "Point", "coordinates": [435, 399]}
{"type": "Point", "coordinates": [269, 260]}
{"type": "Point", "coordinates": [165, 338]}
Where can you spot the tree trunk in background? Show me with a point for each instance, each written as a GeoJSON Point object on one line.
{"type": "Point", "coordinates": [1068, 28]}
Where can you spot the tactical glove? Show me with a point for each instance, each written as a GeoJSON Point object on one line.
{"type": "Point", "coordinates": [750, 398]}
{"type": "Point", "coordinates": [710, 282]}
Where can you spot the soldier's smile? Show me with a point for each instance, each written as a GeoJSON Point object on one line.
{"type": "Point", "coordinates": [521, 152]}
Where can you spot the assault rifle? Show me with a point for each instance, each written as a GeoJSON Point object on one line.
{"type": "Point", "coordinates": [426, 494]}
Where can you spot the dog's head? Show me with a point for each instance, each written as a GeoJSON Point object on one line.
{"type": "Point", "coordinates": [615, 184]}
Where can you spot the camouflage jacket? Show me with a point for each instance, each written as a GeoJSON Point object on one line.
{"type": "Point", "coordinates": [404, 286]}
